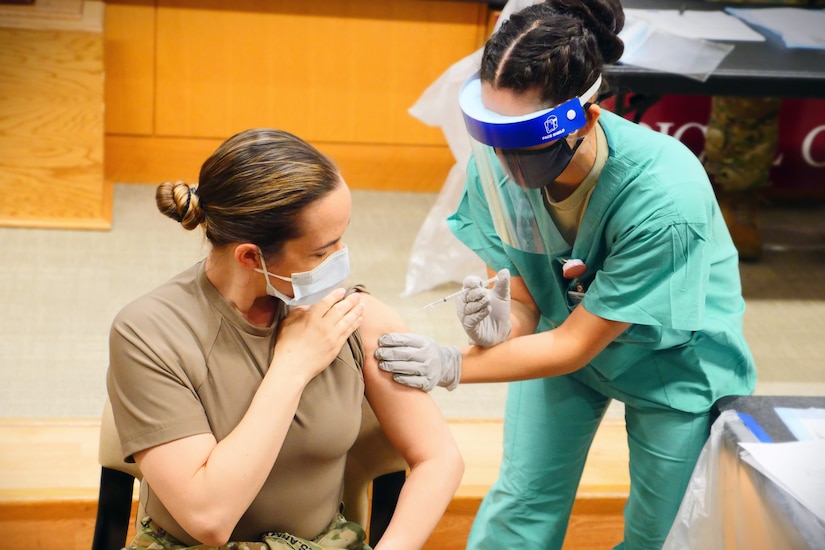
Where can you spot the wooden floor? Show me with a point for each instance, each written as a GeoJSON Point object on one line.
{"type": "Point", "coordinates": [49, 477]}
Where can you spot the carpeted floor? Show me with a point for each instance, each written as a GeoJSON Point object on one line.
{"type": "Point", "coordinates": [59, 290]}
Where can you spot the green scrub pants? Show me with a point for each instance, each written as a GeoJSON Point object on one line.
{"type": "Point", "coordinates": [549, 425]}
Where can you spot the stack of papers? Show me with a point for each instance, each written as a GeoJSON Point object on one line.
{"type": "Point", "coordinates": [799, 466]}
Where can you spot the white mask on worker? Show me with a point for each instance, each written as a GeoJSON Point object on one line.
{"type": "Point", "coordinates": [308, 287]}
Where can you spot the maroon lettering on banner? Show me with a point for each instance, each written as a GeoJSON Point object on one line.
{"type": "Point", "coordinates": [800, 158]}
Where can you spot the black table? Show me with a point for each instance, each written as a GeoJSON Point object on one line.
{"type": "Point", "coordinates": [762, 408]}
{"type": "Point", "coordinates": [764, 69]}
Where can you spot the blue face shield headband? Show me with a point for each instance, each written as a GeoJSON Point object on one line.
{"type": "Point", "coordinates": [518, 140]}
{"type": "Point", "coordinates": [519, 132]}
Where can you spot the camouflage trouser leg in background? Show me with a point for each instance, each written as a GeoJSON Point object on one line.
{"type": "Point", "coordinates": [740, 144]}
{"type": "Point", "coordinates": [339, 534]}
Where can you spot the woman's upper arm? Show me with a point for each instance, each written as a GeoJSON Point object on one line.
{"type": "Point", "coordinates": [168, 467]}
{"type": "Point", "coordinates": [409, 417]}
{"type": "Point", "coordinates": [586, 334]}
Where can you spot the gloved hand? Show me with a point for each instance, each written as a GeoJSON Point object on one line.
{"type": "Point", "coordinates": [418, 361]}
{"type": "Point", "coordinates": [485, 313]}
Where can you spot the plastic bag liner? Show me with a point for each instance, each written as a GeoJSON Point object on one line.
{"type": "Point", "coordinates": [437, 256]}
{"type": "Point", "coordinates": [652, 48]}
{"type": "Point", "coordinates": [728, 504]}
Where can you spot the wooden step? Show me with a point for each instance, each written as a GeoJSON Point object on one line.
{"type": "Point", "coordinates": [596, 522]}
{"type": "Point", "coordinates": [49, 479]}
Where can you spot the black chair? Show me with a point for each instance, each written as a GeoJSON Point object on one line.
{"type": "Point", "coordinates": [372, 462]}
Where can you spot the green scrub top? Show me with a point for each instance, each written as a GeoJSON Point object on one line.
{"type": "Point", "coordinates": [658, 255]}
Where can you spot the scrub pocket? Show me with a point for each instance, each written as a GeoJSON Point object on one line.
{"type": "Point", "coordinates": [574, 298]}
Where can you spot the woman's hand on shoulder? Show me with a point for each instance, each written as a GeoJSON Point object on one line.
{"type": "Point", "coordinates": [310, 338]}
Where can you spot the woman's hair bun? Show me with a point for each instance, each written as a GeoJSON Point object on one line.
{"type": "Point", "coordinates": [180, 202]}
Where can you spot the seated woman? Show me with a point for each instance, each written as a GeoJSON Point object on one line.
{"type": "Point", "coordinates": [237, 385]}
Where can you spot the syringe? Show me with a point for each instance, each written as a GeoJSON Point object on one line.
{"type": "Point", "coordinates": [454, 294]}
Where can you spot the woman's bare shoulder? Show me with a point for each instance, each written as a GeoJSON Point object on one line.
{"type": "Point", "coordinates": [379, 318]}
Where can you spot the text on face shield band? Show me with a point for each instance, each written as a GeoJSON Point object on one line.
{"type": "Point", "coordinates": [516, 132]}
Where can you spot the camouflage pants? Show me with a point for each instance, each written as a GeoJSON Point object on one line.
{"type": "Point", "coordinates": [740, 143]}
{"type": "Point", "coordinates": [340, 533]}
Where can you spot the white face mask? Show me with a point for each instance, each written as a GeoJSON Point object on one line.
{"type": "Point", "coordinates": [308, 287]}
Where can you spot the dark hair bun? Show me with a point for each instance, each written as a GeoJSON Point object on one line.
{"type": "Point", "coordinates": [603, 18]}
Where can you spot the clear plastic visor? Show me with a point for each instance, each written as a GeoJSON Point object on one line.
{"type": "Point", "coordinates": [515, 211]}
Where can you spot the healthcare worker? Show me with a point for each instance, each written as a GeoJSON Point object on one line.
{"type": "Point", "coordinates": [616, 279]}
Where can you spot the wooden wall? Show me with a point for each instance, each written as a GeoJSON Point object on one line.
{"type": "Point", "coordinates": [182, 76]}
{"type": "Point", "coordinates": [51, 116]}
{"type": "Point", "coordinates": [144, 90]}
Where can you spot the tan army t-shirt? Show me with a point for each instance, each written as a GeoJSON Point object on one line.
{"type": "Point", "coordinates": [184, 362]}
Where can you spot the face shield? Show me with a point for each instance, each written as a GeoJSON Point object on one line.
{"type": "Point", "coordinates": [517, 156]}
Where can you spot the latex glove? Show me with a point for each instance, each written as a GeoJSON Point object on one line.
{"type": "Point", "coordinates": [418, 361]}
{"type": "Point", "coordinates": [485, 313]}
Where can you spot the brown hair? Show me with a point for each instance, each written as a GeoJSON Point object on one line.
{"type": "Point", "coordinates": [252, 189]}
{"type": "Point", "coordinates": [558, 47]}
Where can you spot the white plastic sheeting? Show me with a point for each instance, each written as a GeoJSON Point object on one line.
{"type": "Point", "coordinates": [437, 256]}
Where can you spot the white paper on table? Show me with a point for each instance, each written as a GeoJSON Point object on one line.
{"type": "Point", "coordinates": [798, 27]}
{"type": "Point", "coordinates": [709, 25]}
{"type": "Point", "coordinates": [648, 46]}
{"type": "Point", "coordinates": [797, 466]}
{"type": "Point", "coordinates": [803, 423]}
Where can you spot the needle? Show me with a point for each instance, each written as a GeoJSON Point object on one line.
{"type": "Point", "coordinates": [454, 294]}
